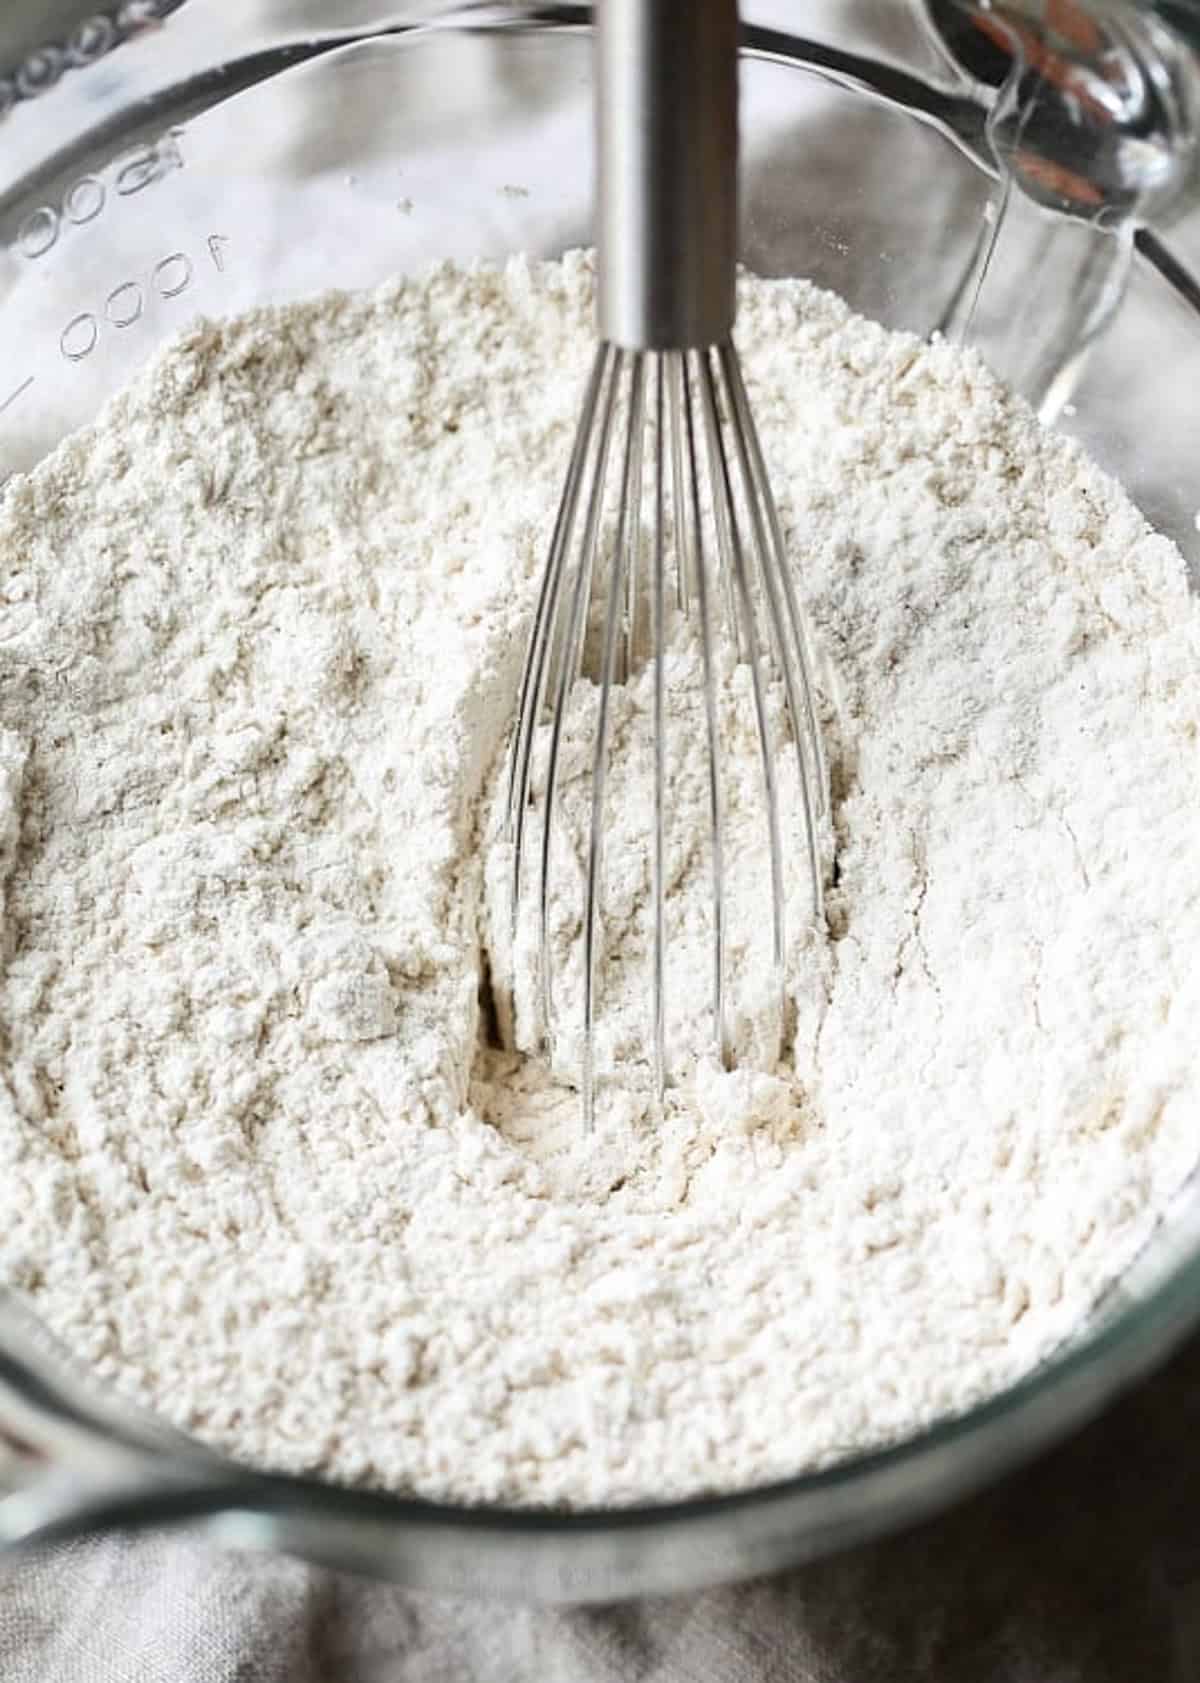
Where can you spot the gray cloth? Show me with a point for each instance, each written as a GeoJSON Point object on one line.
{"type": "Point", "coordinates": [1084, 1568]}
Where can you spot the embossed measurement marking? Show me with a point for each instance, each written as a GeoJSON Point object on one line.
{"type": "Point", "coordinates": [15, 394]}
{"type": "Point", "coordinates": [124, 305]}
{"type": "Point", "coordinates": [82, 201]}
{"type": "Point", "coordinates": [127, 301]}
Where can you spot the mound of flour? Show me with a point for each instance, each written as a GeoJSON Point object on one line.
{"type": "Point", "coordinates": [260, 629]}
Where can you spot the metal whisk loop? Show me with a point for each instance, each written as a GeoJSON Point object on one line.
{"type": "Point", "coordinates": [658, 586]}
{"type": "Point", "coordinates": [745, 631]}
{"type": "Point", "coordinates": [694, 561]}
{"type": "Point", "coordinates": [788, 631]}
{"type": "Point", "coordinates": [567, 663]}
{"type": "Point", "coordinates": [533, 677]}
{"type": "Point", "coordinates": [625, 567]}
{"type": "Point", "coordinates": [690, 493]}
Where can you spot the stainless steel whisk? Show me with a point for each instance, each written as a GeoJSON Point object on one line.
{"type": "Point", "coordinates": [693, 500]}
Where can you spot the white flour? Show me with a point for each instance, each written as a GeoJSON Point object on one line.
{"type": "Point", "coordinates": [259, 633]}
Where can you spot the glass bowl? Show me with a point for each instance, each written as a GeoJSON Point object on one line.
{"type": "Point", "coordinates": [166, 158]}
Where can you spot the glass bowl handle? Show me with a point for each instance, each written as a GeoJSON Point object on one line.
{"type": "Point", "coordinates": [66, 1456]}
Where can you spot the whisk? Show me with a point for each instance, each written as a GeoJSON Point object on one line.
{"type": "Point", "coordinates": [666, 431]}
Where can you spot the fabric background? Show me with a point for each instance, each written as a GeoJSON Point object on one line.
{"type": "Point", "coordinates": [1083, 1568]}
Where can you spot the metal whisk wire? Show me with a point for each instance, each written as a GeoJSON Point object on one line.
{"type": "Point", "coordinates": [706, 476]}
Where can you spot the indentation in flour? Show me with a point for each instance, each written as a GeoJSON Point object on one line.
{"type": "Point", "coordinates": [639, 1158]}
{"type": "Point", "coordinates": [490, 1036]}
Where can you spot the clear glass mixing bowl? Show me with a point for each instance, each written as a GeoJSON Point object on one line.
{"type": "Point", "coordinates": [943, 168]}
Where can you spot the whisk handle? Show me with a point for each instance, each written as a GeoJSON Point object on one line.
{"type": "Point", "coordinates": [667, 136]}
